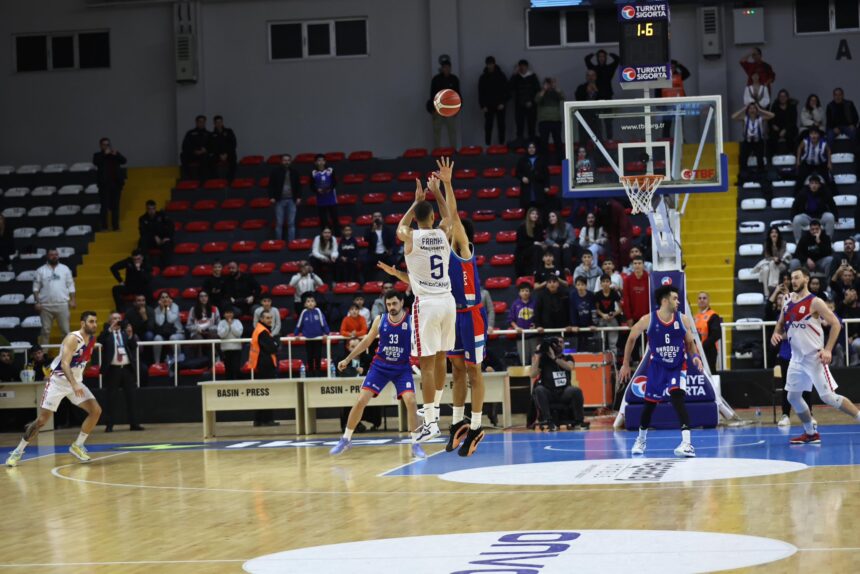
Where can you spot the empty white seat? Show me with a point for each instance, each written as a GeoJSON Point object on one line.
{"type": "Point", "coordinates": [40, 211]}
{"type": "Point", "coordinates": [783, 183]}
{"type": "Point", "coordinates": [44, 191]}
{"type": "Point", "coordinates": [29, 169]}
{"type": "Point", "coordinates": [50, 231]}
{"type": "Point", "coordinates": [838, 246]}
{"type": "Point", "coordinates": [752, 185]}
{"type": "Point", "coordinates": [753, 161]}
{"type": "Point", "coordinates": [12, 299]}
{"type": "Point", "coordinates": [753, 204]}
{"type": "Point", "coordinates": [7, 169]}
{"type": "Point", "coordinates": [65, 252]}
{"type": "Point", "coordinates": [24, 232]}
{"type": "Point", "coordinates": [37, 254]}
{"type": "Point", "coordinates": [22, 344]}
{"type": "Point", "coordinates": [16, 192]}
{"type": "Point", "coordinates": [752, 227]}
{"type": "Point", "coordinates": [14, 212]}
{"type": "Point", "coordinates": [782, 202]}
{"type": "Point", "coordinates": [750, 324]}
{"type": "Point", "coordinates": [842, 158]}
{"type": "Point", "coordinates": [26, 276]}
{"type": "Point", "coordinates": [68, 210]}
{"type": "Point", "coordinates": [32, 322]}
{"type": "Point", "coordinates": [55, 168]}
{"type": "Point", "coordinates": [70, 190]}
{"type": "Point", "coordinates": [845, 178]}
{"type": "Point", "coordinates": [782, 224]}
{"type": "Point", "coordinates": [92, 209]}
{"type": "Point", "coordinates": [783, 159]}
{"type": "Point", "coordinates": [82, 166]}
{"type": "Point", "coordinates": [750, 299]}
{"type": "Point", "coordinates": [6, 276]}
{"type": "Point", "coordinates": [75, 230]}
{"type": "Point", "coordinates": [31, 299]}
{"type": "Point", "coordinates": [747, 273]}
{"type": "Point", "coordinates": [91, 189]}
{"type": "Point", "coordinates": [845, 223]}
{"type": "Point", "coordinates": [790, 248]}
{"type": "Point", "coordinates": [9, 322]}
{"type": "Point", "coordinates": [845, 200]}
{"type": "Point", "coordinates": [749, 249]}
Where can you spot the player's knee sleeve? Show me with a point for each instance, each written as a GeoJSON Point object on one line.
{"type": "Point", "coordinates": [795, 398]}
{"type": "Point", "coordinates": [831, 399]}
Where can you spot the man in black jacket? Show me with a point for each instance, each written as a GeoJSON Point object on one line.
{"type": "Point", "coordinates": [605, 71]}
{"type": "Point", "coordinates": [195, 150]}
{"type": "Point", "coordinates": [551, 369]}
{"type": "Point", "coordinates": [813, 202]}
{"type": "Point", "coordinates": [241, 289]}
{"type": "Point", "coordinates": [141, 317]}
{"type": "Point", "coordinates": [493, 94]}
{"type": "Point", "coordinates": [264, 362]}
{"type": "Point", "coordinates": [216, 284]}
{"type": "Point", "coordinates": [156, 232]}
{"type": "Point", "coordinates": [524, 87]}
{"type": "Point", "coordinates": [137, 278]}
{"type": "Point", "coordinates": [380, 246]}
{"type": "Point", "coordinates": [222, 147]}
{"type": "Point", "coordinates": [110, 179]}
{"type": "Point", "coordinates": [533, 176]}
{"type": "Point", "coordinates": [552, 307]}
{"type": "Point", "coordinates": [285, 193]}
{"type": "Point", "coordinates": [814, 250]}
{"type": "Point", "coordinates": [118, 368]}
{"type": "Point", "coordinates": [442, 81]}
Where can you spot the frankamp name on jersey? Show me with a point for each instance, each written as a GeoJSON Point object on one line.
{"type": "Point", "coordinates": [434, 243]}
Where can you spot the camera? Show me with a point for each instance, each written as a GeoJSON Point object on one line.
{"type": "Point", "coordinates": [548, 343]}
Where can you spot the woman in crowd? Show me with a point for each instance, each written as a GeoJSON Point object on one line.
{"type": "Point", "coordinates": [324, 253]}
{"type": "Point", "coordinates": [774, 263]}
{"type": "Point", "coordinates": [530, 238]}
{"type": "Point", "coordinates": [347, 260]}
{"type": "Point", "coordinates": [783, 126]}
{"type": "Point", "coordinates": [592, 236]}
{"type": "Point", "coordinates": [560, 239]}
{"type": "Point", "coordinates": [812, 116]}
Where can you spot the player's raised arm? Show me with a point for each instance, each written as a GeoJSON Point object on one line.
{"type": "Point", "coordinates": [445, 222]}
{"type": "Point", "coordinates": [635, 332]}
{"type": "Point", "coordinates": [404, 228]}
{"type": "Point", "coordinates": [363, 345]}
{"type": "Point", "coordinates": [401, 275]}
{"type": "Point", "coordinates": [690, 343]}
{"type": "Point", "coordinates": [820, 307]}
{"type": "Point", "coordinates": [459, 239]}
{"type": "Point", "coordinates": [69, 346]}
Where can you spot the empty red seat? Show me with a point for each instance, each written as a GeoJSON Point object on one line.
{"type": "Point", "coordinates": [188, 184]}
{"type": "Point", "coordinates": [254, 224]}
{"type": "Point", "coordinates": [286, 366]}
{"type": "Point", "coordinates": [393, 218]}
{"type": "Point", "coordinates": [382, 177]}
{"type": "Point", "coordinates": [302, 158]}
{"type": "Point", "coordinates": [272, 245]}
{"type": "Point", "coordinates": [205, 205]}
{"type": "Point", "coordinates": [409, 175]}
{"type": "Point", "coordinates": [344, 220]}
{"type": "Point", "coordinates": [347, 199]}
{"type": "Point", "coordinates": [177, 226]}
{"type": "Point", "coordinates": [262, 268]}
{"type": "Point", "coordinates": [335, 156]}
{"type": "Point", "coordinates": [553, 190]}
{"type": "Point", "coordinates": [234, 203]}
{"type": "Point", "coordinates": [479, 260]}
{"type": "Point", "coordinates": [506, 236]}
{"type": "Point", "coordinates": [530, 279]}
{"type": "Point", "coordinates": [365, 219]}
{"type": "Point", "coordinates": [566, 211]}
{"type": "Point", "coordinates": [471, 150]}
{"type": "Point", "coordinates": [175, 271]}
{"type": "Point", "coordinates": [201, 271]}
{"type": "Point", "coordinates": [513, 214]}
{"type": "Point", "coordinates": [190, 293]}
{"type": "Point", "coordinates": [443, 152]}
{"type": "Point", "coordinates": [415, 153]}
{"type": "Point", "coordinates": [215, 184]}
{"type": "Point", "coordinates": [636, 231]}
{"type": "Point", "coordinates": [242, 183]}
{"type": "Point", "coordinates": [251, 160]}
{"type": "Point", "coordinates": [494, 172]}
{"type": "Point", "coordinates": [227, 225]}
{"type": "Point", "coordinates": [323, 288]}
{"type": "Point", "coordinates": [502, 259]}
{"type": "Point", "coordinates": [497, 282]}
{"type": "Point", "coordinates": [484, 215]}
{"type": "Point", "coordinates": [462, 194]}
{"type": "Point", "coordinates": [346, 287]}
{"type": "Point", "coordinates": [260, 203]}
{"type": "Point", "coordinates": [290, 266]}
{"type": "Point", "coordinates": [373, 198]}
{"type": "Point", "coordinates": [186, 248]}
{"type": "Point", "coordinates": [156, 270]}
{"type": "Point", "coordinates": [465, 174]}
{"type": "Point", "coordinates": [275, 159]}
{"type": "Point", "coordinates": [92, 372]}
{"type": "Point", "coordinates": [512, 192]}
{"type": "Point", "coordinates": [263, 182]}
{"type": "Point", "coordinates": [243, 246]}
{"type": "Point", "coordinates": [197, 226]}
{"type": "Point", "coordinates": [402, 197]}
{"type": "Point", "coordinates": [554, 170]}
{"type": "Point", "coordinates": [401, 286]}
{"type": "Point", "coordinates": [490, 193]}
{"type": "Point", "coordinates": [500, 307]}
{"type": "Point", "coordinates": [158, 370]}
{"type": "Point", "coordinates": [177, 205]}
{"type": "Point", "coordinates": [354, 178]}
{"type": "Point", "coordinates": [361, 155]}
{"type": "Point", "coordinates": [283, 290]}
{"type": "Point", "coordinates": [215, 247]}
{"type": "Point", "coordinates": [372, 287]}
{"type": "Point", "coordinates": [482, 237]}
{"type": "Point", "coordinates": [300, 244]}
{"type": "Point", "coordinates": [264, 289]}
{"type": "Point", "coordinates": [497, 150]}
{"type": "Point", "coordinates": [307, 222]}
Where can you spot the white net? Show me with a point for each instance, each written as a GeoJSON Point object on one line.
{"type": "Point", "coordinates": [640, 189]}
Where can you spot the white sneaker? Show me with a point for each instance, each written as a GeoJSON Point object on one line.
{"type": "Point", "coordinates": [638, 446]}
{"type": "Point", "coordinates": [784, 421]}
{"type": "Point", "coordinates": [427, 432]}
{"type": "Point", "coordinates": [14, 457]}
{"type": "Point", "coordinates": [685, 449]}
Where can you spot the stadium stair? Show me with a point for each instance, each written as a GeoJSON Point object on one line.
{"type": "Point", "coordinates": [94, 280]}
{"type": "Point", "coordinates": [708, 237]}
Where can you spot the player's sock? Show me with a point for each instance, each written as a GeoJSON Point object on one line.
{"type": "Point", "coordinates": [685, 435]}
{"type": "Point", "coordinates": [429, 413]}
{"type": "Point", "coordinates": [459, 414]}
{"type": "Point", "coordinates": [347, 433]}
{"type": "Point", "coordinates": [857, 417]}
{"type": "Point", "coordinates": [809, 428]}
{"type": "Point", "coordinates": [82, 438]}
{"type": "Point", "coordinates": [475, 421]}
{"type": "Point", "coordinates": [642, 433]}
{"type": "Point", "coordinates": [436, 400]}
{"type": "Point", "coordinates": [22, 445]}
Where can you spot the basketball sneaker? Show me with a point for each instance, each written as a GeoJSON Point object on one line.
{"type": "Point", "coordinates": [458, 433]}
{"type": "Point", "coordinates": [813, 438]}
{"type": "Point", "coordinates": [685, 449]}
{"type": "Point", "coordinates": [470, 444]}
{"type": "Point", "coordinates": [80, 452]}
{"type": "Point", "coordinates": [418, 452]}
{"type": "Point", "coordinates": [14, 457]}
{"type": "Point", "coordinates": [784, 421]}
{"type": "Point", "coordinates": [342, 445]}
{"type": "Point", "coordinates": [426, 432]}
{"type": "Point", "coordinates": [638, 446]}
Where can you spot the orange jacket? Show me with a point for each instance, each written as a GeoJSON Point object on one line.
{"type": "Point", "coordinates": [254, 355]}
{"type": "Point", "coordinates": [350, 324]}
{"type": "Point", "coordinates": [702, 324]}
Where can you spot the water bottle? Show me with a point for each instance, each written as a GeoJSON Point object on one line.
{"type": "Point", "coordinates": [332, 369]}
{"type": "Point", "coordinates": [302, 371]}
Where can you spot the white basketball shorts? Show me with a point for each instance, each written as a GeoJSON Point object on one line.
{"type": "Point", "coordinates": [807, 371]}
{"type": "Point", "coordinates": [57, 389]}
{"type": "Point", "coordinates": [434, 321]}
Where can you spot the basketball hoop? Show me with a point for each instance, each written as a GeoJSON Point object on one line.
{"type": "Point", "coordinates": [640, 189]}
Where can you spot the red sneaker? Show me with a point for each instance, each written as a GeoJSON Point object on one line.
{"type": "Point", "coordinates": [814, 438]}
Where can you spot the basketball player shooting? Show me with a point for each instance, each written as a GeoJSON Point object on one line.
{"type": "Point", "coordinates": [66, 381]}
{"type": "Point", "coordinates": [428, 254]}
{"type": "Point", "coordinates": [669, 334]}
{"type": "Point", "coordinates": [800, 320]}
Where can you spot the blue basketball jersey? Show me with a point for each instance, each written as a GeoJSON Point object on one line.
{"type": "Point", "coordinates": [395, 341]}
{"type": "Point", "coordinates": [666, 340]}
{"type": "Point", "coordinates": [465, 281]}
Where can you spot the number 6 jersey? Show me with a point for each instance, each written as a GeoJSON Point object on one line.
{"type": "Point", "coordinates": [427, 263]}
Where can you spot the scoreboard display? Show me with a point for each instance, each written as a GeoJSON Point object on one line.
{"type": "Point", "coordinates": [644, 45]}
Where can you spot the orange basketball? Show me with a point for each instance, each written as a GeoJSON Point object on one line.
{"type": "Point", "coordinates": [446, 102]}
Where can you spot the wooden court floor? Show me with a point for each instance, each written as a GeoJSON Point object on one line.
{"type": "Point", "coordinates": [174, 508]}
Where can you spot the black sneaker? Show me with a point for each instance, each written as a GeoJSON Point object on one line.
{"type": "Point", "coordinates": [470, 444]}
{"type": "Point", "coordinates": [458, 433]}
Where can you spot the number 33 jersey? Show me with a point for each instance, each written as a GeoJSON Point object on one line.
{"type": "Point", "coordinates": [428, 262]}
{"type": "Point", "coordinates": [395, 341]}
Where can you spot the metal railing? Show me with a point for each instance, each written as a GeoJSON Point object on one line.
{"type": "Point", "coordinates": [26, 351]}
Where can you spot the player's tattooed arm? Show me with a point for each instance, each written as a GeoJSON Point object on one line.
{"type": "Point", "coordinates": [363, 345]}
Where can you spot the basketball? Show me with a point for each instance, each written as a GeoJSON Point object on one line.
{"type": "Point", "coordinates": [446, 102]}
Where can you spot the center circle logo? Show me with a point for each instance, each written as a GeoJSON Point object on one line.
{"type": "Point", "coordinates": [547, 552]}
{"type": "Point", "coordinates": [629, 74]}
{"type": "Point", "coordinates": [628, 12]}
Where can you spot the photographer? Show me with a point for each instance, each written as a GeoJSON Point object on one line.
{"type": "Point", "coordinates": [551, 370]}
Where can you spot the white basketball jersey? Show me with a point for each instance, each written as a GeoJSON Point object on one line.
{"type": "Point", "coordinates": [805, 332]}
{"type": "Point", "coordinates": [82, 354]}
{"type": "Point", "coordinates": [427, 263]}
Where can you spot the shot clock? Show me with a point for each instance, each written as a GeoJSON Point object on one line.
{"type": "Point", "coordinates": [644, 45]}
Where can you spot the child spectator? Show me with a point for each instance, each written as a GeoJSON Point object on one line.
{"type": "Point", "coordinates": [634, 299]}
{"type": "Point", "coordinates": [582, 312]}
{"type": "Point", "coordinates": [589, 271]}
{"type": "Point", "coordinates": [266, 305]}
{"type": "Point", "coordinates": [353, 325]}
{"type": "Point", "coordinates": [592, 236]}
{"type": "Point", "coordinates": [346, 268]}
{"type": "Point", "coordinates": [608, 306]}
{"type": "Point", "coordinates": [358, 301]}
{"type": "Point", "coordinates": [616, 282]}
{"type": "Point", "coordinates": [312, 325]}
{"type": "Point", "coordinates": [547, 270]}
{"type": "Point", "coordinates": [231, 353]}
{"type": "Point", "coordinates": [305, 281]}
{"type": "Point", "coordinates": [521, 317]}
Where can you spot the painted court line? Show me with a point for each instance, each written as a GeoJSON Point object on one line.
{"type": "Point", "coordinates": [411, 462]}
{"type": "Point", "coordinates": [719, 446]}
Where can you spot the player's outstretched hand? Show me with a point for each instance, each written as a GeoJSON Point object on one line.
{"type": "Point", "coordinates": [341, 366]}
{"type": "Point", "coordinates": [776, 339]}
{"type": "Point", "coordinates": [825, 356]}
{"type": "Point", "coordinates": [698, 362]}
{"type": "Point", "coordinates": [433, 184]}
{"type": "Point", "coordinates": [624, 373]}
{"type": "Point", "coordinates": [446, 169]}
{"type": "Point", "coordinates": [387, 268]}
{"type": "Point", "coordinates": [420, 194]}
